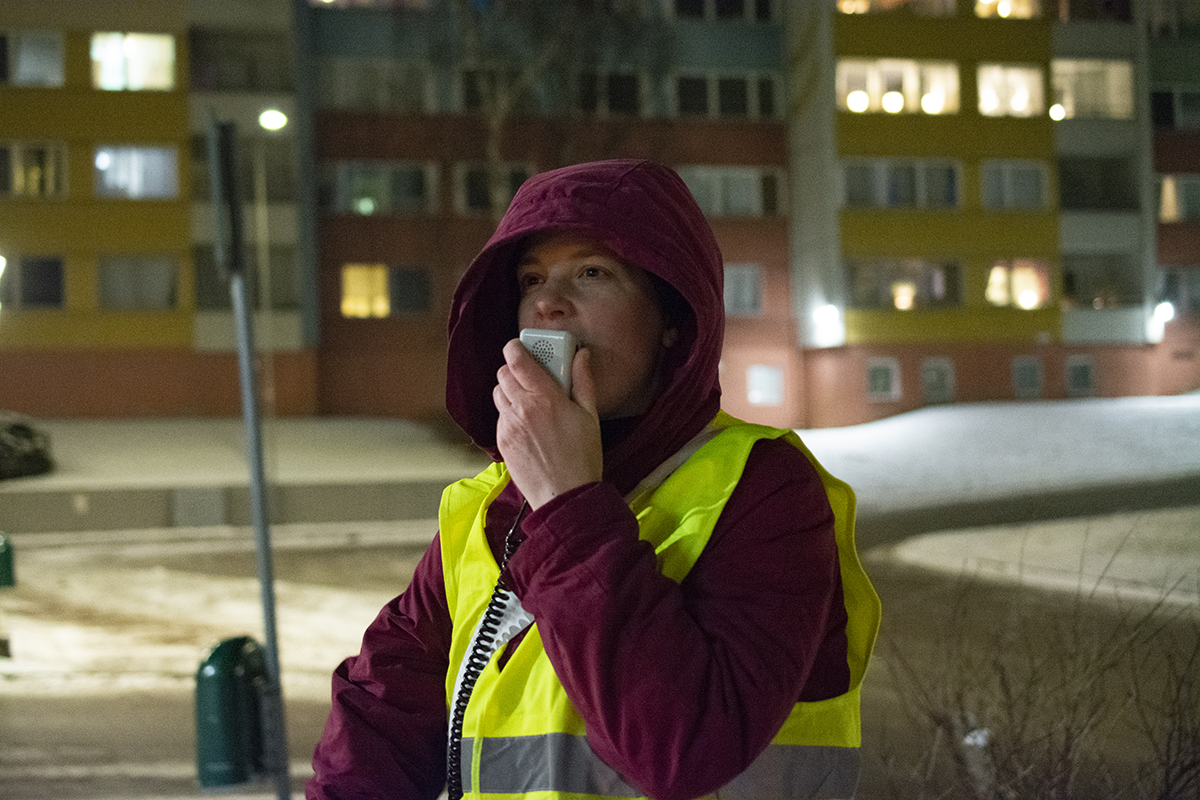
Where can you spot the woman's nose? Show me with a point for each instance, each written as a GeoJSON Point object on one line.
{"type": "Point", "coordinates": [553, 299]}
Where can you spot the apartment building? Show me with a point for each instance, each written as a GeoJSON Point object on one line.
{"type": "Point", "coordinates": [109, 302]}
{"type": "Point", "coordinates": [404, 203]}
{"type": "Point", "coordinates": [919, 202]}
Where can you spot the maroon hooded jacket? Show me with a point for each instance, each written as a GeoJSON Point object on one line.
{"type": "Point", "coordinates": [681, 685]}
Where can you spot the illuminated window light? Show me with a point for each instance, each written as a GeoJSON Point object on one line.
{"type": "Point", "coordinates": [933, 103]}
{"type": "Point", "coordinates": [1057, 112]}
{"type": "Point", "coordinates": [1019, 102]}
{"type": "Point", "coordinates": [893, 102]}
{"type": "Point", "coordinates": [1004, 9]}
{"type": "Point", "coordinates": [904, 295]}
{"type": "Point", "coordinates": [858, 101]}
{"type": "Point", "coordinates": [989, 101]}
{"type": "Point", "coordinates": [997, 286]}
{"type": "Point", "coordinates": [365, 205]}
{"type": "Point", "coordinates": [828, 330]}
{"type": "Point", "coordinates": [1164, 312]}
{"type": "Point", "coordinates": [365, 291]}
{"type": "Point", "coordinates": [1028, 299]}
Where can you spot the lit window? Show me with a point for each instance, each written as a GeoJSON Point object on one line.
{"type": "Point", "coordinates": [33, 282]}
{"type": "Point", "coordinates": [1008, 9]}
{"type": "Point", "coordinates": [743, 290]}
{"type": "Point", "coordinates": [734, 191]}
{"type": "Point", "coordinates": [1014, 184]}
{"type": "Point", "coordinates": [1007, 90]}
{"type": "Point", "coordinates": [474, 192]}
{"type": "Point", "coordinates": [1179, 198]}
{"type": "Point", "coordinates": [31, 58]}
{"type": "Point", "coordinates": [899, 183]}
{"type": "Point", "coordinates": [897, 86]}
{"type": "Point", "coordinates": [1021, 283]}
{"type": "Point", "coordinates": [926, 8]}
{"type": "Point", "coordinates": [32, 170]}
{"type": "Point", "coordinates": [937, 380]}
{"type": "Point", "coordinates": [134, 61]}
{"type": "Point", "coordinates": [377, 290]}
{"type": "Point", "coordinates": [883, 380]}
{"type": "Point", "coordinates": [137, 282]}
{"type": "Point", "coordinates": [764, 385]}
{"type": "Point", "coordinates": [137, 173]}
{"type": "Point", "coordinates": [1092, 88]}
{"type": "Point", "coordinates": [903, 284]}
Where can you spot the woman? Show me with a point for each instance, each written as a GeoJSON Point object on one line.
{"type": "Point", "coordinates": [685, 606]}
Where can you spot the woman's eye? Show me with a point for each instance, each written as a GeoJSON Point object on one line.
{"type": "Point", "coordinates": [592, 272]}
{"type": "Point", "coordinates": [527, 281]}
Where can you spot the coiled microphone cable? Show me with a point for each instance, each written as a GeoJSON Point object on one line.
{"type": "Point", "coordinates": [502, 619]}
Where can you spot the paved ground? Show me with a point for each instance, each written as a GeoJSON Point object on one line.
{"type": "Point", "coordinates": [1098, 494]}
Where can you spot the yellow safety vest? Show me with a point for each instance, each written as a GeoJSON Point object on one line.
{"type": "Point", "coordinates": [521, 735]}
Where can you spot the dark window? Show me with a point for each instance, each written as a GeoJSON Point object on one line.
{"type": "Point", "coordinates": [1162, 109]}
{"type": "Point", "coordinates": [733, 97]}
{"type": "Point", "coordinates": [689, 8]}
{"type": "Point", "coordinates": [1097, 184]}
{"type": "Point", "coordinates": [766, 97]}
{"type": "Point", "coordinates": [42, 282]}
{"type": "Point", "coordinates": [472, 95]}
{"type": "Point", "coordinates": [693, 96]}
{"type": "Point", "coordinates": [770, 195]}
{"type": "Point", "coordinates": [6, 182]}
{"type": "Point", "coordinates": [623, 94]}
{"type": "Point", "coordinates": [762, 10]}
{"type": "Point", "coordinates": [3, 58]}
{"type": "Point", "coordinates": [589, 92]}
{"type": "Point", "coordinates": [731, 9]}
{"type": "Point", "coordinates": [478, 198]}
{"type": "Point", "coordinates": [409, 290]}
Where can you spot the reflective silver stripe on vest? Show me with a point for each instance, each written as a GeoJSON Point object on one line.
{"type": "Point", "coordinates": [560, 762]}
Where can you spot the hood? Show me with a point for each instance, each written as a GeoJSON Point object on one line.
{"type": "Point", "coordinates": [645, 214]}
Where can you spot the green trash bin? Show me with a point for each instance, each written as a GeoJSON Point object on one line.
{"type": "Point", "coordinates": [8, 572]}
{"type": "Point", "coordinates": [230, 685]}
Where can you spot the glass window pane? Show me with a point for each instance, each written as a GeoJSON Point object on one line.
{"type": "Point", "coordinates": [6, 170]}
{"type": "Point", "coordinates": [743, 290]}
{"type": "Point", "coordinates": [901, 185]}
{"type": "Point", "coordinates": [693, 95]}
{"type": "Point", "coordinates": [137, 282]}
{"type": "Point", "coordinates": [1026, 186]}
{"type": "Point", "coordinates": [941, 186]}
{"type": "Point", "coordinates": [939, 88]}
{"type": "Point", "coordinates": [733, 97]}
{"type": "Point", "coordinates": [764, 385]}
{"type": "Point", "coordinates": [41, 282]}
{"type": "Point", "coordinates": [37, 59]}
{"type": "Point", "coordinates": [408, 189]}
{"type": "Point", "coordinates": [410, 290]}
{"type": "Point", "coordinates": [137, 172]}
{"type": "Point", "coordinates": [730, 9]}
{"type": "Point", "coordinates": [766, 97]}
{"type": "Point", "coordinates": [689, 8]}
{"type": "Point", "coordinates": [740, 193]}
{"type": "Point", "coordinates": [365, 291]}
{"type": "Point", "coordinates": [859, 178]}
{"type": "Point", "coordinates": [623, 94]}
{"type": "Point", "coordinates": [993, 186]}
{"type": "Point", "coordinates": [478, 196]}
{"type": "Point", "coordinates": [703, 186]}
{"type": "Point", "coordinates": [136, 61]}
{"type": "Point", "coordinates": [589, 92]}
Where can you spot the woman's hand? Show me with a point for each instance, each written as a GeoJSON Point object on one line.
{"type": "Point", "coordinates": [549, 440]}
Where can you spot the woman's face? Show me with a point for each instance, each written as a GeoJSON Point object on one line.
{"type": "Point", "coordinates": [573, 283]}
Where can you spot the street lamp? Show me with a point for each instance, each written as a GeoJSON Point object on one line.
{"type": "Point", "coordinates": [271, 120]}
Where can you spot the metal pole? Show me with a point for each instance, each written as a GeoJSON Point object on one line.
{"type": "Point", "coordinates": [275, 734]}
{"type": "Point", "coordinates": [229, 256]}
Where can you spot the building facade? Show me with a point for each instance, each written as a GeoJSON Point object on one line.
{"type": "Point", "coordinates": [109, 305]}
{"type": "Point", "coordinates": [918, 202]}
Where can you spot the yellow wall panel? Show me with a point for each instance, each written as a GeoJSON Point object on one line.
{"type": "Point", "coordinates": [37, 330]}
{"type": "Point", "coordinates": [974, 325]}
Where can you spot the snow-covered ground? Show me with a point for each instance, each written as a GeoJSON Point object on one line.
{"type": "Point", "coordinates": [976, 451]}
